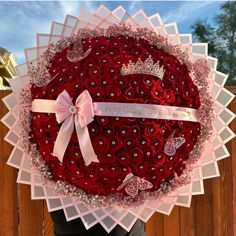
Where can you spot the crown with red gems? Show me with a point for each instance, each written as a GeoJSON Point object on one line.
{"type": "Point", "coordinates": [144, 67]}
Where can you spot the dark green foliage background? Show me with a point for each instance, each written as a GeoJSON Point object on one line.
{"type": "Point", "coordinates": [221, 39]}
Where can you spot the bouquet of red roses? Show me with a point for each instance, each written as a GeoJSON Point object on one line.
{"type": "Point", "coordinates": [117, 117]}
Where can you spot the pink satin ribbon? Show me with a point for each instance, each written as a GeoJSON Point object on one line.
{"type": "Point", "coordinates": [70, 115]}
{"type": "Point", "coordinates": [140, 110]}
{"type": "Point", "coordinates": [82, 113]}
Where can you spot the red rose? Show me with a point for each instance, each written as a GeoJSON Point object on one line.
{"type": "Point", "coordinates": [75, 176]}
{"type": "Point", "coordinates": [170, 122]}
{"type": "Point", "coordinates": [115, 43]}
{"type": "Point", "coordinates": [91, 62]}
{"type": "Point", "coordinates": [151, 129]}
{"type": "Point", "coordinates": [82, 74]}
{"type": "Point", "coordinates": [44, 150]}
{"type": "Point", "coordinates": [100, 45]}
{"type": "Point", "coordinates": [108, 157]}
{"type": "Point", "coordinates": [137, 51]}
{"type": "Point", "coordinates": [97, 93]}
{"type": "Point", "coordinates": [143, 141]}
{"type": "Point", "coordinates": [127, 46]}
{"type": "Point", "coordinates": [135, 130]}
{"type": "Point", "coordinates": [118, 121]}
{"type": "Point", "coordinates": [157, 142]}
{"type": "Point", "coordinates": [196, 103]}
{"type": "Point", "coordinates": [118, 60]}
{"type": "Point", "coordinates": [95, 72]}
{"type": "Point", "coordinates": [157, 92]}
{"type": "Point", "coordinates": [104, 81]}
{"type": "Point", "coordinates": [140, 168]}
{"type": "Point", "coordinates": [121, 82]}
{"type": "Point", "coordinates": [89, 186]}
{"type": "Point", "coordinates": [148, 81]}
{"type": "Point", "coordinates": [38, 132]}
{"type": "Point", "coordinates": [123, 157]}
{"type": "Point", "coordinates": [104, 59]}
{"type": "Point", "coordinates": [115, 143]}
{"type": "Point", "coordinates": [111, 70]}
{"type": "Point", "coordinates": [142, 92]}
{"type": "Point", "coordinates": [159, 159]}
{"type": "Point", "coordinates": [74, 68]}
{"type": "Point", "coordinates": [188, 103]}
{"type": "Point", "coordinates": [57, 170]}
{"type": "Point", "coordinates": [169, 95]}
{"type": "Point", "coordinates": [124, 170]}
{"type": "Point", "coordinates": [134, 80]}
{"type": "Point", "coordinates": [167, 172]}
{"type": "Point", "coordinates": [180, 169]}
{"type": "Point", "coordinates": [109, 130]}
{"type": "Point", "coordinates": [129, 93]}
{"type": "Point", "coordinates": [113, 51]}
{"type": "Point", "coordinates": [102, 120]}
{"type": "Point", "coordinates": [46, 143]}
{"type": "Point", "coordinates": [111, 169]}
{"type": "Point", "coordinates": [127, 58]}
{"type": "Point", "coordinates": [75, 153]}
{"type": "Point", "coordinates": [124, 131]}
{"type": "Point", "coordinates": [112, 93]}
{"type": "Point", "coordinates": [148, 153]}
{"type": "Point", "coordinates": [100, 144]}
{"type": "Point", "coordinates": [136, 155]}
{"type": "Point", "coordinates": [94, 129]}
{"type": "Point", "coordinates": [129, 143]}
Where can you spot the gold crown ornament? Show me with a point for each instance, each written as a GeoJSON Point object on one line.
{"type": "Point", "coordinates": [144, 67]}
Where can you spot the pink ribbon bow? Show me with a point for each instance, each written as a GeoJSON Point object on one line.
{"type": "Point", "coordinates": [133, 184]}
{"type": "Point", "coordinates": [78, 115]}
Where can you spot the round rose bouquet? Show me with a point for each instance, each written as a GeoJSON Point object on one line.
{"type": "Point", "coordinates": [117, 117]}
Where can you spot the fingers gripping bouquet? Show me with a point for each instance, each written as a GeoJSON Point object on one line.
{"type": "Point", "coordinates": [114, 120]}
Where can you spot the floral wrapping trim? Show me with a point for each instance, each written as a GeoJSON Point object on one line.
{"type": "Point", "coordinates": [206, 117]}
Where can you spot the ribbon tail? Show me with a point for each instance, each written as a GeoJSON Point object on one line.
{"type": "Point", "coordinates": [85, 144]}
{"type": "Point", "coordinates": [63, 138]}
